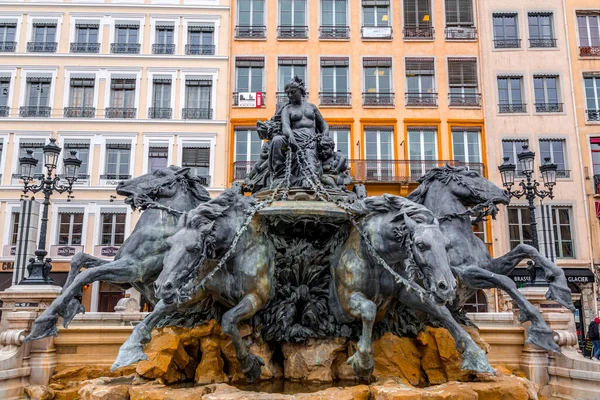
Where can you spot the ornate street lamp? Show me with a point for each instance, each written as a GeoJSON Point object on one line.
{"type": "Point", "coordinates": [39, 268]}
{"type": "Point", "coordinates": [530, 189]}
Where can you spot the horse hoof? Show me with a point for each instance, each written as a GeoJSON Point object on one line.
{"type": "Point", "coordinates": [476, 361]}
{"type": "Point", "coordinates": [128, 356]}
{"type": "Point", "coordinates": [543, 338]}
{"type": "Point", "coordinates": [43, 327]}
{"type": "Point", "coordinates": [362, 371]}
{"type": "Point", "coordinates": [73, 309]}
{"type": "Point", "coordinates": [252, 367]}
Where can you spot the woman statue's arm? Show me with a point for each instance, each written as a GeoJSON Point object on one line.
{"type": "Point", "coordinates": [321, 125]}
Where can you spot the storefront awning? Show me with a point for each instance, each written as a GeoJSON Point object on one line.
{"type": "Point", "coordinates": [574, 275]}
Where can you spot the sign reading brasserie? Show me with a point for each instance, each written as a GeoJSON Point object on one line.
{"type": "Point", "coordinates": [109, 251]}
{"type": "Point", "coordinates": [66, 251]}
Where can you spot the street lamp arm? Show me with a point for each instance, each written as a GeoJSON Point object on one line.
{"type": "Point", "coordinates": [60, 188]}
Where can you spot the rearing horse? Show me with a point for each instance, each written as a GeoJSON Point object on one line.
{"type": "Point", "coordinates": [448, 191]}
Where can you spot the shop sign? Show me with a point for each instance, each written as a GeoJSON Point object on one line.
{"type": "Point", "coordinates": [578, 279]}
{"type": "Point", "coordinates": [27, 304]}
{"type": "Point", "coordinates": [250, 99]}
{"type": "Point", "coordinates": [8, 266]}
{"type": "Point", "coordinates": [109, 251]}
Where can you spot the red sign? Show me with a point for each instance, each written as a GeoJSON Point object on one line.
{"type": "Point", "coordinates": [597, 205]}
{"type": "Point", "coordinates": [259, 99]}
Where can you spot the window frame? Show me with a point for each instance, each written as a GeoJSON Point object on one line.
{"type": "Point", "coordinates": [252, 13]}
{"type": "Point", "coordinates": [522, 227]}
{"type": "Point", "coordinates": [71, 223]}
{"type": "Point", "coordinates": [545, 79]}
{"type": "Point", "coordinates": [466, 145]}
{"type": "Point", "coordinates": [551, 142]}
{"type": "Point", "coordinates": [293, 11]}
{"type": "Point", "coordinates": [334, 13]}
{"type": "Point", "coordinates": [587, 30]}
{"type": "Point", "coordinates": [381, 164]}
{"type": "Point", "coordinates": [514, 151]}
{"type": "Point", "coordinates": [538, 15]}
{"type": "Point", "coordinates": [556, 231]}
{"type": "Point", "coordinates": [113, 224]}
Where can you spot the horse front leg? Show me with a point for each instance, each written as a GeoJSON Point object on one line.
{"type": "Point", "coordinates": [81, 260]}
{"type": "Point", "coordinates": [362, 360]}
{"type": "Point", "coordinates": [246, 308]}
{"type": "Point", "coordinates": [539, 332]}
{"type": "Point", "coordinates": [558, 288]}
{"type": "Point", "coordinates": [474, 359]}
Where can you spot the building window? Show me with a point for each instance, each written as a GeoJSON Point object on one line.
{"type": "Point", "coordinates": [161, 98]}
{"type": "Point", "coordinates": [8, 30]}
{"type": "Point", "coordinates": [247, 151]}
{"type": "Point", "coordinates": [379, 153]}
{"type": "Point", "coordinates": [541, 32]}
{"type": "Point", "coordinates": [288, 68]}
{"type": "Point", "coordinates": [476, 303]}
{"type": "Point", "coordinates": [422, 150]}
{"type": "Point", "coordinates": [14, 234]}
{"type": "Point", "coordinates": [86, 38]}
{"type": "Point", "coordinates": [197, 157]}
{"type": "Point", "coordinates": [464, 88]}
{"type": "Point", "coordinates": [122, 98]}
{"type": "Point", "coordinates": [113, 229]}
{"type": "Point", "coordinates": [292, 19]}
{"type": "Point", "coordinates": [334, 22]}
{"type": "Point", "coordinates": [376, 19]}
{"type": "Point", "coordinates": [341, 138]}
{"type": "Point", "coordinates": [378, 82]}
{"type": "Point", "coordinates": [4, 92]}
{"type": "Point", "coordinates": [44, 38]}
{"type": "Point", "coordinates": [510, 149]}
{"type": "Point", "coordinates": [38, 97]}
{"type": "Point", "coordinates": [589, 34]}
{"type": "Point", "coordinates": [334, 82]}
{"type": "Point", "coordinates": [164, 36]}
{"type": "Point", "coordinates": [510, 94]}
{"type": "Point", "coordinates": [70, 228]}
{"type": "Point", "coordinates": [38, 153]}
{"type": "Point", "coordinates": [519, 226]}
{"type": "Point", "coordinates": [249, 76]}
{"type": "Point", "coordinates": [198, 94]}
{"type": "Point", "coordinates": [592, 95]}
{"type": "Point", "coordinates": [200, 40]}
{"type": "Point", "coordinates": [420, 82]}
{"type": "Point", "coordinates": [251, 22]}
{"type": "Point", "coordinates": [505, 31]}
{"type": "Point", "coordinates": [563, 237]}
{"type": "Point", "coordinates": [460, 23]}
{"type": "Point", "coordinates": [417, 20]}
{"type": "Point", "coordinates": [466, 147]}
{"type": "Point", "coordinates": [555, 150]}
{"type": "Point", "coordinates": [158, 157]}
{"type": "Point", "coordinates": [83, 153]}
{"type": "Point", "coordinates": [546, 93]}
{"type": "Point", "coordinates": [118, 158]}
{"type": "Point", "coordinates": [126, 39]}
{"type": "Point", "coordinates": [595, 149]}
{"type": "Point", "coordinates": [480, 230]}
{"type": "Point", "coordinates": [81, 98]}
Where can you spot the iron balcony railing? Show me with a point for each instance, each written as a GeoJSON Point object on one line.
{"type": "Point", "coordinates": [115, 176]}
{"type": "Point", "coordinates": [376, 32]}
{"type": "Point", "coordinates": [80, 177]}
{"type": "Point", "coordinates": [418, 33]}
{"type": "Point", "coordinates": [461, 33]}
{"type": "Point", "coordinates": [235, 100]}
{"type": "Point", "coordinates": [292, 32]}
{"type": "Point", "coordinates": [597, 184]}
{"type": "Point", "coordinates": [79, 112]}
{"type": "Point", "coordinates": [537, 43]}
{"type": "Point", "coordinates": [196, 113]}
{"type": "Point", "coordinates": [334, 32]}
{"type": "Point", "coordinates": [589, 51]}
{"type": "Point", "coordinates": [282, 97]}
{"type": "Point", "coordinates": [119, 112]}
{"type": "Point", "coordinates": [4, 111]}
{"type": "Point", "coordinates": [250, 32]}
{"type": "Point", "coordinates": [8, 47]}
{"type": "Point", "coordinates": [125, 48]}
{"type": "Point", "coordinates": [421, 99]}
{"type": "Point", "coordinates": [163, 48]}
{"type": "Point", "coordinates": [85, 47]}
{"type": "Point", "coordinates": [42, 47]}
{"type": "Point", "coordinates": [507, 43]}
{"type": "Point", "coordinates": [199, 49]}
{"type": "Point", "coordinates": [563, 173]}
{"type": "Point", "coordinates": [35, 111]}
{"type": "Point", "coordinates": [464, 99]}
{"type": "Point", "coordinates": [378, 99]}
{"type": "Point", "coordinates": [399, 171]}
{"type": "Point", "coordinates": [160, 113]}
{"type": "Point", "coordinates": [548, 107]}
{"type": "Point", "coordinates": [204, 179]}
{"type": "Point", "coordinates": [593, 115]}
{"type": "Point", "coordinates": [241, 169]}
{"type": "Point", "coordinates": [17, 175]}
{"type": "Point", "coordinates": [335, 98]}
{"type": "Point", "coordinates": [512, 108]}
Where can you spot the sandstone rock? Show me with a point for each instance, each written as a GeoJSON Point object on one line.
{"type": "Point", "coordinates": [39, 392]}
{"type": "Point", "coordinates": [167, 359]}
{"type": "Point", "coordinates": [431, 362]}
{"type": "Point", "coordinates": [396, 356]}
{"type": "Point", "coordinates": [449, 391]}
{"type": "Point", "coordinates": [69, 373]}
{"type": "Point", "coordinates": [312, 360]}
{"type": "Point", "coordinates": [360, 392]}
{"type": "Point", "coordinates": [395, 392]}
{"type": "Point", "coordinates": [504, 388]}
{"type": "Point", "coordinates": [106, 389]}
{"type": "Point", "coordinates": [450, 357]}
{"type": "Point", "coordinates": [210, 368]}
{"type": "Point", "coordinates": [69, 393]}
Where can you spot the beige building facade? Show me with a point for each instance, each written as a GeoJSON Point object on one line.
{"type": "Point", "coordinates": [131, 87]}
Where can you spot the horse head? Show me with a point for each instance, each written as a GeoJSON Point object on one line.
{"type": "Point", "coordinates": [162, 184]}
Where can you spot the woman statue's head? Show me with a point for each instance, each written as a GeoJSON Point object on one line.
{"type": "Point", "coordinates": [295, 87]}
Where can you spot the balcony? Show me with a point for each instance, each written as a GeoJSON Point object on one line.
{"type": "Point", "coordinates": [119, 112]}
{"type": "Point", "coordinates": [512, 108]}
{"type": "Point", "coordinates": [34, 112]}
{"type": "Point", "coordinates": [282, 97]}
{"type": "Point", "coordinates": [461, 33]}
{"type": "Point", "coordinates": [236, 100]}
{"type": "Point", "coordinates": [292, 32]}
{"type": "Point", "coordinates": [8, 47]}
{"type": "Point", "coordinates": [160, 113]}
{"type": "Point", "coordinates": [593, 115]}
{"type": "Point", "coordinates": [563, 173]}
{"type": "Point", "coordinates": [418, 33]}
{"type": "Point", "coordinates": [250, 32]}
{"type": "Point", "coordinates": [421, 99]}
{"type": "Point", "coordinates": [541, 43]}
{"type": "Point", "coordinates": [196, 113]}
{"type": "Point", "coordinates": [163, 49]}
{"type": "Point", "coordinates": [79, 112]}
{"type": "Point", "coordinates": [376, 32]}
{"type": "Point", "coordinates": [332, 32]}
{"type": "Point", "coordinates": [200, 49]}
{"type": "Point", "coordinates": [4, 111]}
{"type": "Point", "coordinates": [42, 47]}
{"type": "Point", "coordinates": [589, 51]}
{"type": "Point", "coordinates": [125, 48]}
{"type": "Point", "coordinates": [596, 184]}
{"type": "Point", "coordinates": [378, 99]}
{"type": "Point", "coordinates": [548, 107]}
{"type": "Point", "coordinates": [507, 43]}
{"type": "Point", "coordinates": [115, 176]}
{"type": "Point", "coordinates": [399, 171]}
{"type": "Point", "coordinates": [241, 169]}
{"type": "Point", "coordinates": [85, 48]}
{"type": "Point", "coordinates": [464, 100]}
{"type": "Point", "coordinates": [332, 99]}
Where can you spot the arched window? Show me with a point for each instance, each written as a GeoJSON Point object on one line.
{"type": "Point", "coordinates": [476, 303]}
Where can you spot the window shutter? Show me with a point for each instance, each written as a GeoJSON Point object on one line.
{"type": "Point", "coordinates": [466, 129]}
{"type": "Point", "coordinates": [122, 84]}
{"type": "Point", "coordinates": [43, 22]}
{"type": "Point", "coordinates": [462, 71]}
{"type": "Point", "coordinates": [69, 210]}
{"type": "Point", "coordinates": [420, 66]}
{"type": "Point", "coordinates": [31, 145]}
{"type": "Point", "coordinates": [39, 79]}
{"type": "Point", "coordinates": [291, 61]}
{"type": "Point", "coordinates": [130, 25]}
{"type": "Point", "coordinates": [162, 79]}
{"type": "Point", "coordinates": [165, 25]}
{"type": "Point", "coordinates": [334, 62]}
{"type": "Point", "coordinates": [250, 62]}
{"type": "Point", "coordinates": [372, 3]}
{"type": "Point", "coordinates": [191, 81]}
{"type": "Point", "coordinates": [459, 12]}
{"type": "Point", "coordinates": [200, 28]}
{"type": "Point", "coordinates": [196, 156]}
{"type": "Point", "coordinates": [373, 128]}
{"type": "Point", "coordinates": [417, 13]}
{"type": "Point", "coordinates": [118, 146]}
{"type": "Point", "coordinates": [87, 25]}
{"type": "Point", "coordinates": [377, 62]}
{"type": "Point", "coordinates": [82, 82]}
{"type": "Point", "coordinates": [77, 145]}
{"type": "Point", "coordinates": [9, 23]}
{"type": "Point", "coordinates": [158, 151]}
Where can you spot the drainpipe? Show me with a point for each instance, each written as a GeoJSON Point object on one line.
{"type": "Point", "coordinates": [581, 169]}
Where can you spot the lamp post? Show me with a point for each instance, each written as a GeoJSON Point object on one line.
{"type": "Point", "coordinates": [39, 268]}
{"type": "Point", "coordinates": [530, 189]}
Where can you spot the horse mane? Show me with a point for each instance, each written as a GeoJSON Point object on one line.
{"type": "Point", "coordinates": [442, 174]}
{"type": "Point", "coordinates": [389, 203]}
{"type": "Point", "coordinates": [206, 213]}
